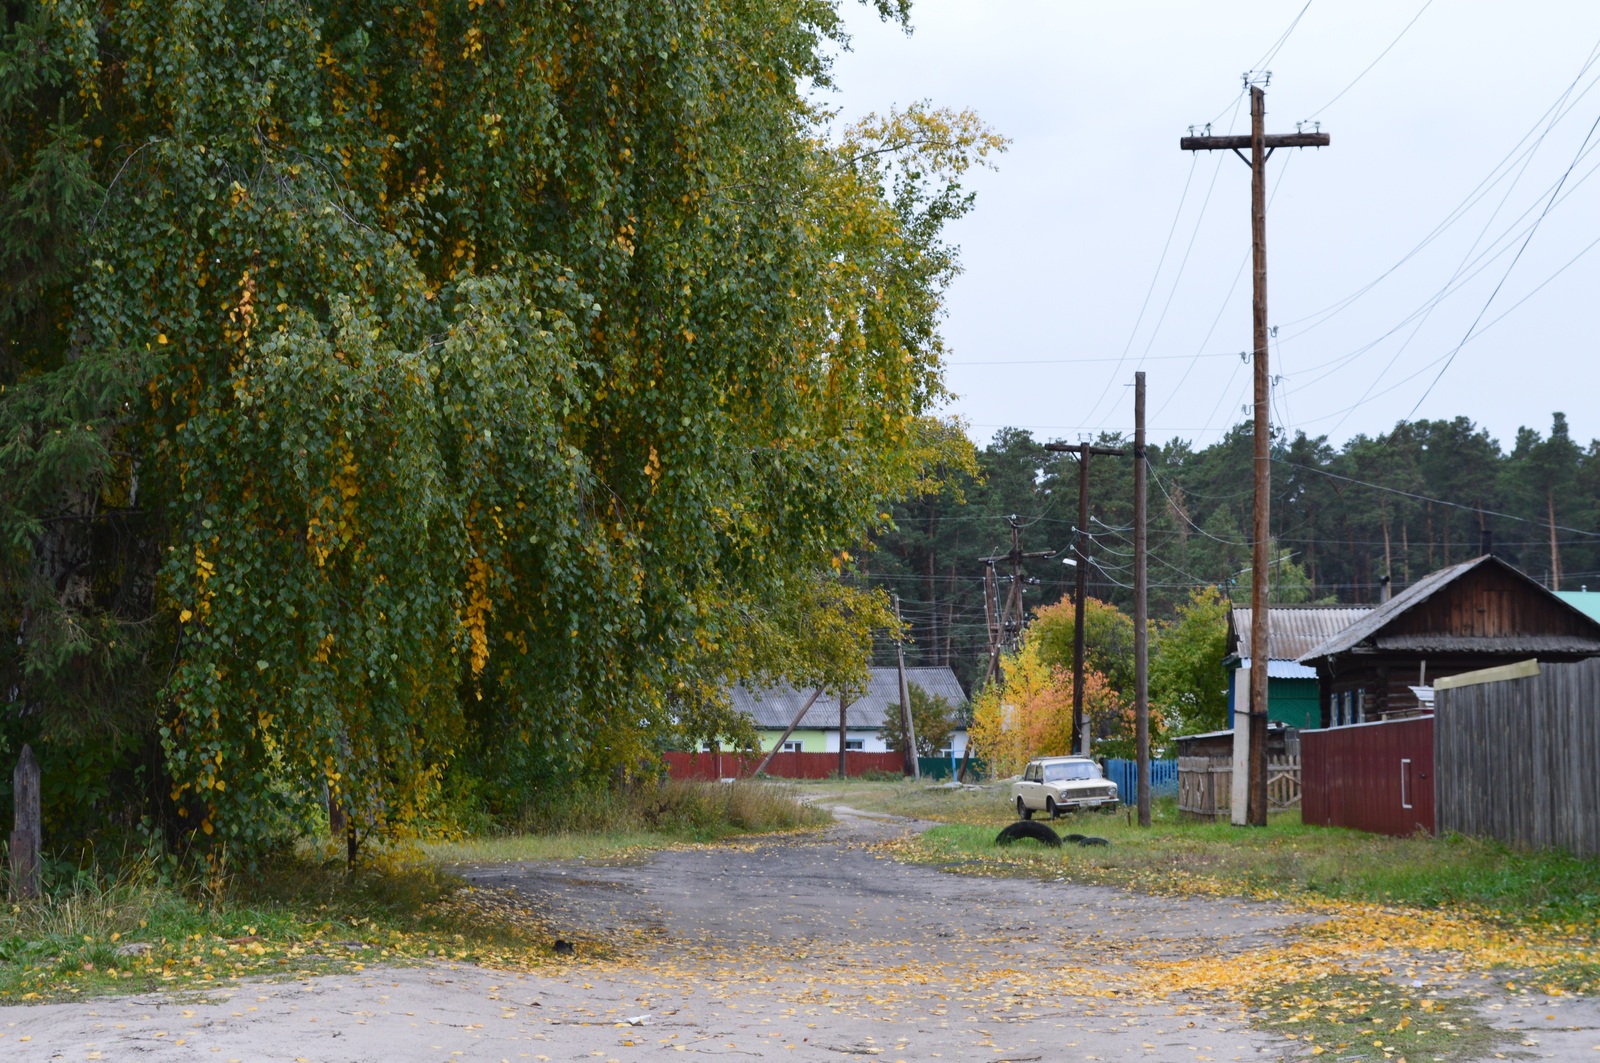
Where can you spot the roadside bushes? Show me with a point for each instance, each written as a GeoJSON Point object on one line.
{"type": "Point", "coordinates": [690, 807]}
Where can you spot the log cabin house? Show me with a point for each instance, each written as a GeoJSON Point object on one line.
{"type": "Point", "coordinates": [1478, 614]}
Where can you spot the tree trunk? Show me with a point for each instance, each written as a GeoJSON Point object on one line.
{"type": "Point", "coordinates": [27, 835]}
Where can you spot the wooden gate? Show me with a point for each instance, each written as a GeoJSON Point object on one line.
{"type": "Point", "coordinates": [1205, 787]}
{"type": "Point", "coordinates": [1283, 783]}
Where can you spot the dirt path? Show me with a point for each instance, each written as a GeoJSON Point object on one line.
{"type": "Point", "coordinates": [812, 948]}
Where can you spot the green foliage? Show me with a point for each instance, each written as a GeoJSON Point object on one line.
{"type": "Point", "coordinates": [1107, 640]}
{"type": "Point", "coordinates": [1187, 680]}
{"type": "Point", "coordinates": [464, 388]}
{"type": "Point", "coordinates": [932, 717]}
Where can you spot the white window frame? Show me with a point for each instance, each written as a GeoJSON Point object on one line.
{"type": "Point", "coordinates": [1405, 782]}
{"type": "Point", "coordinates": [855, 745]}
{"type": "Point", "coordinates": [791, 746]}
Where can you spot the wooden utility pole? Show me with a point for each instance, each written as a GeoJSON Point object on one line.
{"type": "Point", "coordinates": [1141, 608]}
{"type": "Point", "coordinates": [908, 727]}
{"type": "Point", "coordinates": [26, 838]}
{"type": "Point", "coordinates": [1080, 726]}
{"type": "Point", "coordinates": [1261, 146]}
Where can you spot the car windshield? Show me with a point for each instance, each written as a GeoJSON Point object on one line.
{"type": "Point", "coordinates": [1070, 772]}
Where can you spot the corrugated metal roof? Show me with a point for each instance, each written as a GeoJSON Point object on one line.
{"type": "Point", "coordinates": [773, 708]}
{"type": "Point", "coordinates": [1277, 669]}
{"type": "Point", "coordinates": [1586, 602]}
{"type": "Point", "coordinates": [1293, 630]}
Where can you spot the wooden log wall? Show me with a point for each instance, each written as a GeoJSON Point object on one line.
{"type": "Point", "coordinates": [1519, 760]}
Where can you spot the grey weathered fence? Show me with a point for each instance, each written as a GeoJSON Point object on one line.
{"type": "Point", "coordinates": [1519, 759]}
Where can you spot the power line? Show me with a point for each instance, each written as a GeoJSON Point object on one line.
{"type": "Point", "coordinates": [1513, 265]}
{"type": "Point", "coordinates": [1494, 177]}
{"type": "Point", "coordinates": [1375, 62]}
{"type": "Point", "coordinates": [1272, 53]}
{"type": "Point", "coordinates": [1086, 361]}
{"type": "Point", "coordinates": [1436, 501]}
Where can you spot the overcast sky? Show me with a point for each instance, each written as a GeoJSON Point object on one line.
{"type": "Point", "coordinates": [1067, 257]}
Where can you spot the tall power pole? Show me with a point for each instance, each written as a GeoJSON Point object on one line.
{"type": "Point", "coordinates": [1080, 726]}
{"type": "Point", "coordinates": [1261, 146]}
{"type": "Point", "coordinates": [1141, 608]}
{"type": "Point", "coordinates": [1004, 621]}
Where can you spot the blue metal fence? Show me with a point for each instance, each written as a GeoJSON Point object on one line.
{"type": "Point", "coordinates": [1125, 773]}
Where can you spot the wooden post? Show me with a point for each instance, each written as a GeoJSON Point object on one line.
{"type": "Point", "coordinates": [28, 833]}
{"type": "Point", "coordinates": [1141, 609]}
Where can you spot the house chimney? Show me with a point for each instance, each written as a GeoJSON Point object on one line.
{"type": "Point", "coordinates": [1485, 541]}
{"type": "Point", "coordinates": [1383, 595]}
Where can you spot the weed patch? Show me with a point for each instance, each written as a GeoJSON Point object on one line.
{"type": "Point", "coordinates": [1355, 1017]}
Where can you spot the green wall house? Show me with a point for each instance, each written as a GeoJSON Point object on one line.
{"type": "Point", "coordinates": [772, 709]}
{"type": "Point", "coordinates": [1293, 630]}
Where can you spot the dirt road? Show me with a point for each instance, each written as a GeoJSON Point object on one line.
{"type": "Point", "coordinates": [810, 948]}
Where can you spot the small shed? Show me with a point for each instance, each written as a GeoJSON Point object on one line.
{"type": "Point", "coordinates": [1478, 614]}
{"type": "Point", "coordinates": [1293, 630]}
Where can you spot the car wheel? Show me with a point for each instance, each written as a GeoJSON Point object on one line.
{"type": "Point", "coordinates": [1050, 807]}
{"type": "Point", "coordinates": [1023, 811]}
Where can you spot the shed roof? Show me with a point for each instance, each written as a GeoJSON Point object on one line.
{"type": "Point", "coordinates": [774, 707]}
{"type": "Point", "coordinates": [1368, 628]}
{"type": "Point", "coordinates": [1584, 601]}
{"type": "Point", "coordinates": [1293, 630]}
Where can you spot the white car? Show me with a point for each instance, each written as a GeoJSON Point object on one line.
{"type": "Point", "coordinates": [1061, 784]}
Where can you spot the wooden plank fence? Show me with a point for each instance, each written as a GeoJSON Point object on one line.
{"type": "Point", "coordinates": [1519, 760]}
{"type": "Point", "coordinates": [1205, 785]}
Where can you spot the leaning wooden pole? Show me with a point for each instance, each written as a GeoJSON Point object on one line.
{"type": "Point", "coordinates": [812, 700]}
{"type": "Point", "coordinates": [908, 726]}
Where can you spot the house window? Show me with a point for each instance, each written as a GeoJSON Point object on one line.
{"type": "Point", "coordinates": [856, 744]}
{"type": "Point", "coordinates": [791, 746]}
{"type": "Point", "coordinates": [705, 747]}
{"type": "Point", "coordinates": [1361, 706]}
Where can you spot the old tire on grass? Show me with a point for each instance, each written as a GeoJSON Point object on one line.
{"type": "Point", "coordinates": [1027, 828]}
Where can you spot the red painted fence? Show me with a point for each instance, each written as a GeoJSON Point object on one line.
{"type": "Point", "coordinates": [784, 765]}
{"type": "Point", "coordinates": [1373, 776]}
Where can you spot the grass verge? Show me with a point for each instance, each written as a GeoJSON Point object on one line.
{"type": "Point", "coordinates": [1505, 886]}
{"type": "Point", "coordinates": [138, 930]}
